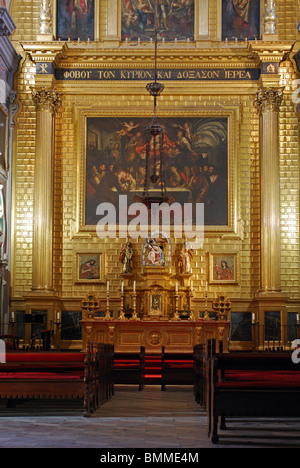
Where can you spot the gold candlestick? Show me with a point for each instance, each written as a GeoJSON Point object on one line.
{"type": "Point", "coordinates": [192, 314]}
{"type": "Point", "coordinates": [122, 315]}
{"type": "Point", "coordinates": [176, 315]}
{"type": "Point", "coordinates": [206, 314]}
{"type": "Point", "coordinates": [134, 314]}
{"type": "Point", "coordinates": [107, 315]}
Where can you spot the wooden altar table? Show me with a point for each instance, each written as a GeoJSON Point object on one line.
{"type": "Point", "coordinates": [176, 336]}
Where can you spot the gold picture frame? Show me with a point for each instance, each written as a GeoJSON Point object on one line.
{"type": "Point", "coordinates": [89, 267]}
{"type": "Point", "coordinates": [231, 114]}
{"type": "Point", "coordinates": [223, 268]}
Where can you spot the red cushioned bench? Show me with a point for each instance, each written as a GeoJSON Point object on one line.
{"type": "Point", "coordinates": [177, 369]}
{"type": "Point", "coordinates": [59, 376]}
{"type": "Point", "coordinates": [129, 368]}
{"type": "Point", "coordinates": [253, 385]}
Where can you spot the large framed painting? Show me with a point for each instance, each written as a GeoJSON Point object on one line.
{"type": "Point", "coordinates": [240, 19]}
{"type": "Point", "coordinates": [175, 20]}
{"type": "Point", "coordinates": [195, 152]}
{"type": "Point", "coordinates": [75, 19]}
{"type": "Point", "coordinates": [3, 138]}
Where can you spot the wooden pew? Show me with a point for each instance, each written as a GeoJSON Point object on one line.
{"type": "Point", "coordinates": [252, 385]}
{"type": "Point", "coordinates": [177, 369]}
{"type": "Point", "coordinates": [57, 376]}
{"type": "Point", "coordinates": [203, 355]}
{"type": "Point", "coordinates": [99, 385]}
{"type": "Point", "coordinates": [129, 368]}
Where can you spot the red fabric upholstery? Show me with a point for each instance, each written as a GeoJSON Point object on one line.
{"type": "Point", "coordinates": [260, 379]}
{"type": "Point", "coordinates": [261, 384]}
{"type": "Point", "coordinates": [261, 375]}
{"type": "Point", "coordinates": [45, 357]}
{"type": "Point", "coordinates": [41, 376]}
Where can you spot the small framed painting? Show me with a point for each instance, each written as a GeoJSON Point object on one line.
{"type": "Point", "coordinates": [88, 267]}
{"type": "Point", "coordinates": [75, 19]}
{"type": "Point", "coordinates": [240, 19]}
{"type": "Point", "coordinates": [223, 268]}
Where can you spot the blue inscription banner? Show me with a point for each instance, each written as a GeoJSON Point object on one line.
{"type": "Point", "coordinates": [129, 74]}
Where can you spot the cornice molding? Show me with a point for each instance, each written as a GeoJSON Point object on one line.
{"type": "Point", "coordinates": [79, 54]}
{"type": "Point", "coordinates": [271, 51]}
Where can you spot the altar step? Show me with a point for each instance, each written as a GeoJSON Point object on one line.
{"type": "Point", "coordinates": [153, 372]}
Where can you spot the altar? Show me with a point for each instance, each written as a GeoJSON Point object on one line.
{"type": "Point", "coordinates": [175, 335]}
{"type": "Point", "coordinates": [156, 307]}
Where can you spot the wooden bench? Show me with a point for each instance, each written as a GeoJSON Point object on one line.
{"type": "Point", "coordinates": [252, 385]}
{"type": "Point", "coordinates": [59, 376]}
{"type": "Point", "coordinates": [177, 369]}
{"type": "Point", "coordinates": [202, 356]}
{"type": "Point", "coordinates": [129, 368]}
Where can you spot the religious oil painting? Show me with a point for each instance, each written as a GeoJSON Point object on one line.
{"type": "Point", "coordinates": [88, 266]}
{"type": "Point", "coordinates": [156, 252]}
{"type": "Point", "coordinates": [194, 159]}
{"type": "Point", "coordinates": [75, 19]}
{"type": "Point", "coordinates": [223, 268]}
{"type": "Point", "coordinates": [174, 20]}
{"type": "Point", "coordinates": [240, 19]}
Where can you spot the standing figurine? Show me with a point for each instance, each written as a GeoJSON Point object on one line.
{"type": "Point", "coordinates": [126, 257]}
{"type": "Point", "coordinates": [185, 259]}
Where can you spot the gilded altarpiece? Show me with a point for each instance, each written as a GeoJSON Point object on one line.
{"type": "Point", "coordinates": [205, 78]}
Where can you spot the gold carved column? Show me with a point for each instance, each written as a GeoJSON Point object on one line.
{"type": "Point", "coordinates": [268, 101]}
{"type": "Point", "coordinates": [46, 101]}
{"type": "Point", "coordinates": [269, 298]}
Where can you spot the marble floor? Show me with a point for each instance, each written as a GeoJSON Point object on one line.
{"type": "Point", "coordinates": [132, 419]}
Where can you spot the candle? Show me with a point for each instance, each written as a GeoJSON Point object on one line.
{"type": "Point", "coordinates": [122, 286]}
{"type": "Point", "coordinates": [176, 286]}
{"type": "Point", "coordinates": [107, 285]}
{"type": "Point", "coordinates": [253, 317]}
{"type": "Point", "coordinates": [134, 286]}
{"type": "Point", "coordinates": [13, 316]}
{"type": "Point", "coordinates": [58, 316]}
{"type": "Point", "coordinates": [206, 286]}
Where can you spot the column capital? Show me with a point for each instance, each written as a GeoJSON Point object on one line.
{"type": "Point", "coordinates": [46, 99]}
{"type": "Point", "coordinates": [269, 99]}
